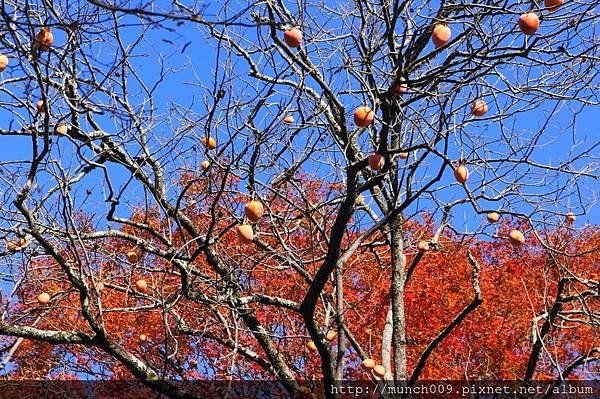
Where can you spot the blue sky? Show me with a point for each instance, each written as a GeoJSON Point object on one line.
{"type": "Point", "coordinates": [188, 57]}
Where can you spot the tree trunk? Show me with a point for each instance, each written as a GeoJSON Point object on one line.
{"type": "Point", "coordinates": [398, 316]}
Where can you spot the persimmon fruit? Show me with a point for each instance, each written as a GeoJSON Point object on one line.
{"type": "Point", "coordinates": [292, 37]}
{"type": "Point", "coordinates": [479, 108]}
{"type": "Point", "coordinates": [245, 233]}
{"type": "Point", "coordinates": [363, 116]}
{"type": "Point", "coordinates": [132, 257]}
{"type": "Point", "coordinates": [529, 23]}
{"type": "Point", "coordinates": [461, 174]}
{"type": "Point", "coordinates": [44, 39]}
{"type": "Point", "coordinates": [209, 142]}
{"type": "Point", "coordinates": [3, 62]}
{"type": "Point", "coordinates": [516, 238]}
{"type": "Point", "coordinates": [62, 129]}
{"type": "Point", "coordinates": [331, 335]}
{"type": "Point", "coordinates": [254, 210]}
{"type": "Point", "coordinates": [376, 161]}
{"type": "Point", "coordinates": [493, 217]}
{"type": "Point", "coordinates": [553, 5]}
{"type": "Point", "coordinates": [379, 371]}
{"type": "Point", "coordinates": [441, 35]}
{"type": "Point", "coordinates": [368, 364]}
{"type": "Point", "coordinates": [141, 285]}
{"type": "Point", "coordinates": [43, 298]}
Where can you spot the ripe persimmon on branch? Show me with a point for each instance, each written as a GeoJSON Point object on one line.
{"type": "Point", "coordinates": [298, 192]}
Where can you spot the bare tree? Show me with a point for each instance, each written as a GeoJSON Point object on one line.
{"type": "Point", "coordinates": [106, 130]}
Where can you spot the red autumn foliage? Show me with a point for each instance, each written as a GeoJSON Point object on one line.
{"type": "Point", "coordinates": [493, 342]}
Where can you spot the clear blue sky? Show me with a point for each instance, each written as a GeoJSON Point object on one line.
{"type": "Point", "coordinates": [198, 61]}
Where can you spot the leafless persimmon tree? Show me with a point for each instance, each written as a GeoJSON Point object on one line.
{"type": "Point", "coordinates": [109, 175]}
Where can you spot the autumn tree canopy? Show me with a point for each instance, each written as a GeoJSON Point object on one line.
{"type": "Point", "coordinates": [298, 192]}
